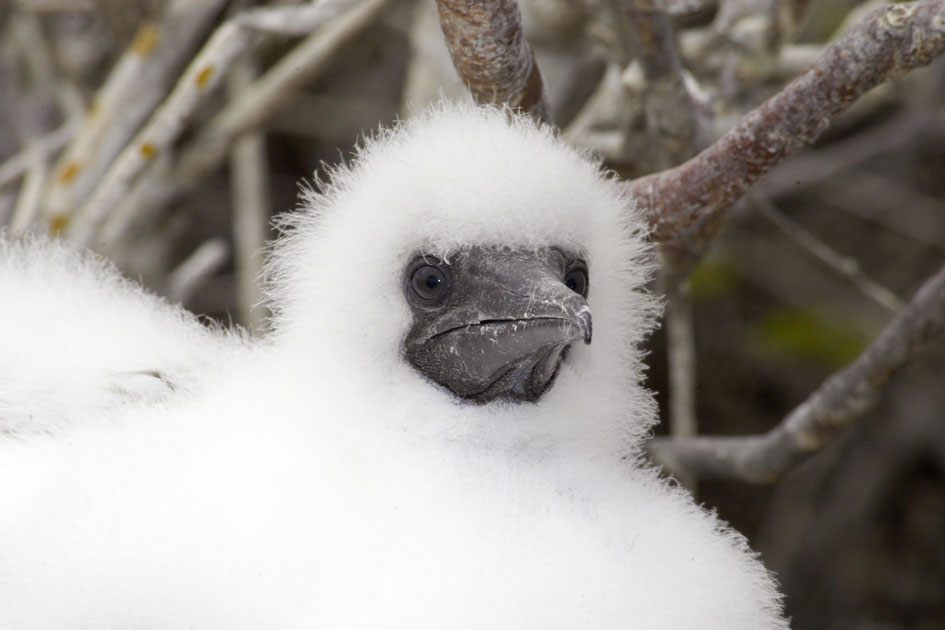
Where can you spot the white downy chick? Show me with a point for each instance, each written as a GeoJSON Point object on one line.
{"type": "Point", "coordinates": [79, 339]}
{"type": "Point", "coordinates": [426, 439]}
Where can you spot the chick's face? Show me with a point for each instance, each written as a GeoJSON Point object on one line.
{"type": "Point", "coordinates": [451, 262]}
{"type": "Point", "coordinates": [495, 322]}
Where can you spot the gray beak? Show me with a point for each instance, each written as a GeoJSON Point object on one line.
{"type": "Point", "coordinates": [508, 326]}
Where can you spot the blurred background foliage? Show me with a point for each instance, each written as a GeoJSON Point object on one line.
{"type": "Point", "coordinates": [857, 533]}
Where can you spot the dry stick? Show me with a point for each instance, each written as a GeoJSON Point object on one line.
{"type": "Point", "coordinates": [27, 203]}
{"type": "Point", "coordinates": [135, 86]}
{"type": "Point", "coordinates": [844, 265]}
{"type": "Point", "coordinates": [876, 199]}
{"type": "Point", "coordinates": [684, 204]}
{"type": "Point", "coordinates": [164, 127]}
{"type": "Point", "coordinates": [681, 354]}
{"type": "Point", "coordinates": [249, 198]}
{"type": "Point", "coordinates": [7, 201]}
{"type": "Point", "coordinates": [203, 74]}
{"type": "Point", "coordinates": [275, 88]}
{"type": "Point", "coordinates": [900, 133]}
{"type": "Point", "coordinates": [675, 133]}
{"type": "Point", "coordinates": [699, 47]}
{"type": "Point", "coordinates": [27, 30]}
{"type": "Point", "coordinates": [679, 7]}
{"type": "Point", "coordinates": [296, 21]}
{"type": "Point", "coordinates": [18, 164]}
{"type": "Point", "coordinates": [835, 405]}
{"type": "Point", "coordinates": [489, 51]}
{"type": "Point", "coordinates": [670, 110]}
{"type": "Point", "coordinates": [254, 108]}
{"type": "Point", "coordinates": [196, 269]}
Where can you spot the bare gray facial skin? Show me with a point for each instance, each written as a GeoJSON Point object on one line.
{"type": "Point", "coordinates": [495, 323]}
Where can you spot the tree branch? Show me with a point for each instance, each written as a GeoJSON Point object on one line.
{"type": "Point", "coordinates": [257, 104]}
{"type": "Point", "coordinates": [844, 265]}
{"type": "Point", "coordinates": [684, 204]}
{"type": "Point", "coordinates": [17, 165]}
{"type": "Point", "coordinates": [835, 405]}
{"type": "Point", "coordinates": [681, 356]}
{"type": "Point", "coordinates": [249, 185]}
{"type": "Point", "coordinates": [135, 86]}
{"type": "Point", "coordinates": [194, 272]}
{"type": "Point", "coordinates": [670, 110]}
{"type": "Point", "coordinates": [491, 55]}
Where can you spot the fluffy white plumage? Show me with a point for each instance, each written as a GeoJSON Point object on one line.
{"type": "Point", "coordinates": [79, 339]}
{"type": "Point", "coordinates": [317, 479]}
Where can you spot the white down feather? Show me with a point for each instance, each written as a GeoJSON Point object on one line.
{"type": "Point", "coordinates": [316, 480]}
{"type": "Point", "coordinates": [78, 338]}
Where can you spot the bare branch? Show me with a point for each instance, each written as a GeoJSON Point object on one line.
{"type": "Point", "coordinates": [679, 7]}
{"type": "Point", "coordinates": [298, 21]}
{"type": "Point", "coordinates": [135, 86]}
{"type": "Point", "coordinates": [16, 165]}
{"type": "Point", "coordinates": [671, 112]}
{"type": "Point", "coordinates": [27, 203]}
{"type": "Point", "coordinates": [835, 405]}
{"type": "Point", "coordinates": [262, 99]}
{"type": "Point", "coordinates": [491, 55]}
{"type": "Point", "coordinates": [38, 56]}
{"type": "Point", "coordinates": [844, 265]}
{"type": "Point", "coordinates": [250, 201]}
{"type": "Point", "coordinates": [880, 200]}
{"type": "Point", "coordinates": [681, 351]}
{"type": "Point", "coordinates": [196, 269]}
{"type": "Point", "coordinates": [164, 127]}
{"type": "Point", "coordinates": [902, 131]}
{"type": "Point", "coordinates": [685, 203]}
{"type": "Point", "coordinates": [258, 103]}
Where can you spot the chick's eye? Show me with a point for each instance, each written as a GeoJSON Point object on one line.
{"type": "Point", "coordinates": [576, 279]}
{"type": "Point", "coordinates": [429, 283]}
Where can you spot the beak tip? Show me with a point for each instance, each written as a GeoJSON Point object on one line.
{"type": "Point", "coordinates": [586, 328]}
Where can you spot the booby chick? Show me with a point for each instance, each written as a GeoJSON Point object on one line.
{"type": "Point", "coordinates": [442, 430]}
{"type": "Point", "coordinates": [78, 339]}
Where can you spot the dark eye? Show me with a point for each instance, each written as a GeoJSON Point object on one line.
{"type": "Point", "coordinates": [428, 282]}
{"type": "Point", "coordinates": [576, 278]}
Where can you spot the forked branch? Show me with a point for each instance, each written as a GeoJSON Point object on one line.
{"type": "Point", "coordinates": [683, 202]}
{"type": "Point", "coordinates": [835, 405]}
{"type": "Point", "coordinates": [491, 55]}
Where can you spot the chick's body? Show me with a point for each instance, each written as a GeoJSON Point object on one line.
{"type": "Point", "coordinates": [319, 479]}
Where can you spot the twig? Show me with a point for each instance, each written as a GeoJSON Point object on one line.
{"type": "Point", "coordinates": [43, 6]}
{"type": "Point", "coordinates": [39, 60]}
{"type": "Point", "coordinates": [27, 203]}
{"type": "Point", "coordinates": [491, 55]}
{"type": "Point", "coordinates": [258, 103]}
{"type": "Point", "coordinates": [248, 186]}
{"type": "Point", "coordinates": [670, 110]}
{"type": "Point", "coordinates": [18, 164]}
{"type": "Point", "coordinates": [901, 131]}
{"type": "Point", "coordinates": [296, 21]}
{"type": "Point", "coordinates": [604, 121]}
{"type": "Point", "coordinates": [681, 351]}
{"type": "Point", "coordinates": [196, 269]}
{"type": "Point", "coordinates": [844, 265]}
{"type": "Point", "coordinates": [678, 7]}
{"type": "Point", "coordinates": [673, 125]}
{"type": "Point", "coordinates": [167, 123]}
{"type": "Point", "coordinates": [262, 99]}
{"type": "Point", "coordinates": [878, 199]}
{"type": "Point", "coordinates": [134, 87]}
{"type": "Point", "coordinates": [684, 204]}
{"type": "Point", "coordinates": [7, 202]}
{"type": "Point", "coordinates": [835, 405]}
